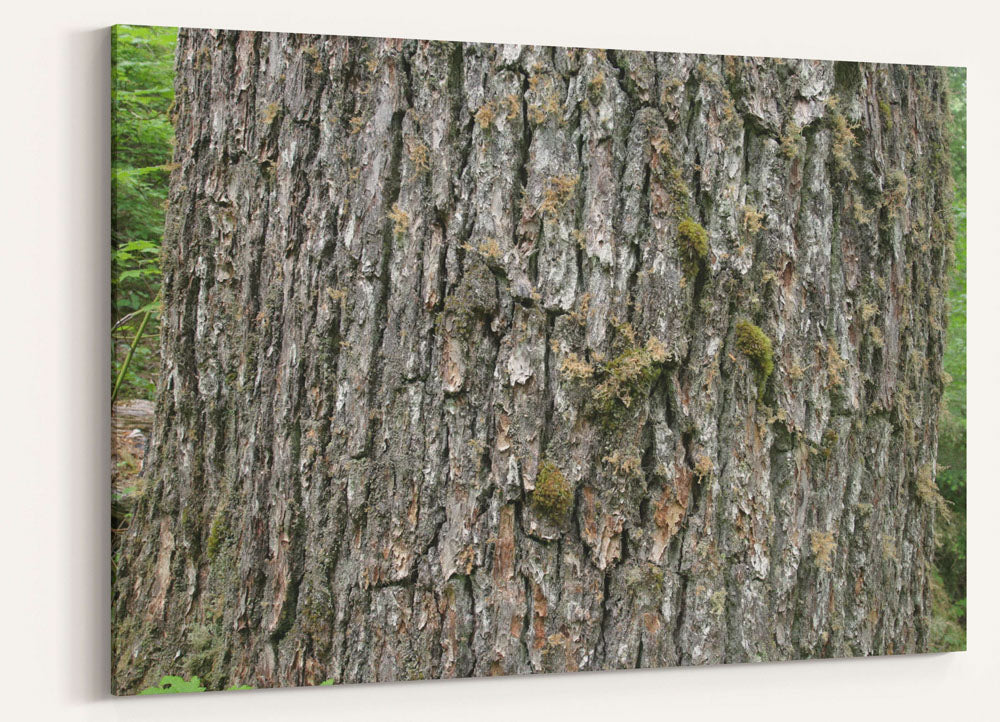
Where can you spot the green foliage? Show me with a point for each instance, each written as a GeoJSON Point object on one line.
{"type": "Point", "coordinates": [947, 624]}
{"type": "Point", "coordinates": [327, 683]}
{"type": "Point", "coordinates": [756, 346]}
{"type": "Point", "coordinates": [957, 105]}
{"type": "Point", "coordinates": [142, 93]}
{"type": "Point", "coordinates": [950, 559]}
{"type": "Point", "coordinates": [553, 496]}
{"type": "Point", "coordinates": [178, 685]}
{"type": "Point", "coordinates": [175, 685]}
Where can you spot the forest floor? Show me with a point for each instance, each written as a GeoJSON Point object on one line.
{"type": "Point", "coordinates": [131, 425]}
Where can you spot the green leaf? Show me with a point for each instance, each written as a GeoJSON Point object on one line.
{"type": "Point", "coordinates": [175, 685]}
{"type": "Point", "coordinates": [139, 246]}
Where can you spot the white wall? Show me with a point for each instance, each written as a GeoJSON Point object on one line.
{"type": "Point", "coordinates": [53, 378]}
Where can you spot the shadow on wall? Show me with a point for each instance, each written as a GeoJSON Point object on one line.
{"type": "Point", "coordinates": [84, 505]}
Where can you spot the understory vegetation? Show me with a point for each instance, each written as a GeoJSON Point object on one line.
{"type": "Point", "coordinates": [142, 93]}
{"type": "Point", "coordinates": [949, 584]}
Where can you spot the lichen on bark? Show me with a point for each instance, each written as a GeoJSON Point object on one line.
{"type": "Point", "coordinates": [395, 274]}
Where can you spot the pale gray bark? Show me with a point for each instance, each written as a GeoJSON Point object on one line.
{"type": "Point", "coordinates": [401, 277]}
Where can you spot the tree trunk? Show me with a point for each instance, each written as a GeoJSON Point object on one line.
{"type": "Point", "coordinates": [467, 363]}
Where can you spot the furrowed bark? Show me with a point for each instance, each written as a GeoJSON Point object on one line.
{"type": "Point", "coordinates": [451, 386]}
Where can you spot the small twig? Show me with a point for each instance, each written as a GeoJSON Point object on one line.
{"type": "Point", "coordinates": [129, 316]}
{"type": "Point", "coordinates": [128, 357]}
{"type": "Point", "coordinates": [125, 319]}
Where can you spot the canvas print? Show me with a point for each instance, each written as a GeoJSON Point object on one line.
{"type": "Point", "coordinates": [444, 359]}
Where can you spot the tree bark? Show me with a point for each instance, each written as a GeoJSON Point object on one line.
{"type": "Point", "coordinates": [466, 363]}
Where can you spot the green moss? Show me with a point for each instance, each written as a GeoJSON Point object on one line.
{"type": "Point", "coordinates": [830, 438]}
{"type": "Point", "coordinates": [553, 495]}
{"type": "Point", "coordinates": [756, 346]}
{"type": "Point", "coordinates": [205, 652]}
{"type": "Point", "coordinates": [928, 492]}
{"type": "Point", "coordinates": [218, 533]}
{"type": "Point", "coordinates": [607, 387]}
{"type": "Point", "coordinates": [693, 241]}
{"type": "Point", "coordinates": [628, 375]}
{"type": "Point", "coordinates": [791, 141]}
{"type": "Point", "coordinates": [896, 188]}
{"type": "Point", "coordinates": [666, 172]}
{"type": "Point", "coordinates": [842, 147]}
{"type": "Point", "coordinates": [886, 112]}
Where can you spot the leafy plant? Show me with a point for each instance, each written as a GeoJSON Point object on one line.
{"type": "Point", "coordinates": [178, 685]}
{"type": "Point", "coordinates": [175, 685]}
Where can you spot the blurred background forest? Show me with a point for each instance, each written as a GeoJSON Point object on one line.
{"type": "Point", "coordinates": [142, 82]}
{"type": "Point", "coordinates": [142, 145]}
